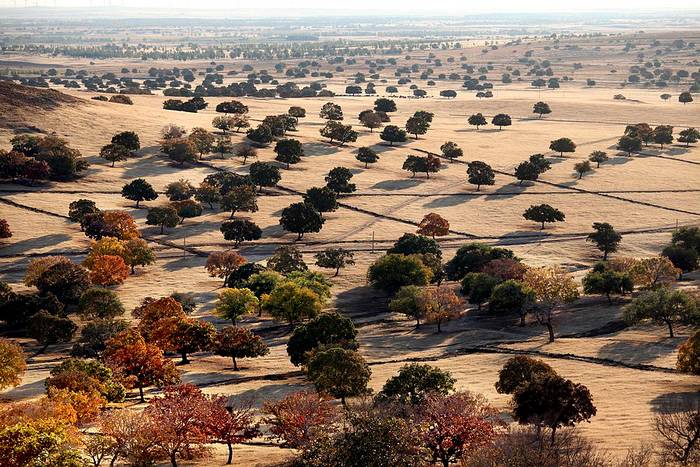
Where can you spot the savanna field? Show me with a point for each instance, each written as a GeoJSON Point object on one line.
{"type": "Point", "coordinates": [247, 273]}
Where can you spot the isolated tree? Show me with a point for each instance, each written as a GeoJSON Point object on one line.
{"type": "Point", "coordinates": [297, 112]}
{"type": "Point", "coordinates": [689, 135]}
{"type": "Point", "coordinates": [339, 372]}
{"type": "Point", "coordinates": [299, 418]}
{"type": "Point", "coordinates": [5, 231]}
{"type": "Point", "coordinates": [338, 180]}
{"type": "Point", "coordinates": [480, 173]}
{"type": "Point", "coordinates": [371, 120]}
{"type": "Point", "coordinates": [292, 302]}
{"type": "Point", "coordinates": [409, 301]}
{"type": "Point", "coordinates": [543, 213]}
{"type": "Point", "coordinates": [139, 190]}
{"type": "Point", "coordinates": [425, 164]}
{"type": "Point", "coordinates": [232, 107]}
{"type": "Point", "coordinates": [393, 271]}
{"type": "Point", "coordinates": [501, 120]}
{"type": "Point", "coordinates": [562, 145]}
{"type": "Point", "coordinates": [128, 139]}
{"type": "Point", "coordinates": [334, 258]}
{"type": "Point", "coordinates": [477, 120]}
{"type": "Point", "coordinates": [264, 174]}
{"type": "Point", "coordinates": [415, 383]}
{"type": "Point", "coordinates": [223, 264]}
{"type": "Point", "coordinates": [582, 168]}
{"type": "Point", "coordinates": [241, 198]}
{"type": "Point", "coordinates": [663, 134]}
{"type": "Point", "coordinates": [605, 238]}
{"type": "Point", "coordinates": [678, 432]}
{"type": "Point", "coordinates": [417, 126]}
{"type": "Point", "coordinates": [541, 108]}
{"type": "Point", "coordinates": [367, 156]}
{"type": "Point", "coordinates": [384, 105]}
{"type": "Point", "coordinates": [163, 217]}
{"type": "Point", "coordinates": [598, 157]}
{"type": "Point", "coordinates": [240, 230]}
{"type": "Point", "coordinates": [114, 153]}
{"type": "Point", "coordinates": [12, 364]}
{"type": "Point", "coordinates": [393, 134]}
{"type": "Point", "coordinates": [301, 218]}
{"type": "Point", "coordinates": [236, 342]}
{"type": "Point", "coordinates": [289, 151]}
{"type": "Point", "coordinates": [451, 151]}
{"type": "Point", "coordinates": [663, 306]}
{"type": "Point", "coordinates": [48, 329]}
{"type": "Point", "coordinates": [526, 170]}
{"type": "Point", "coordinates": [685, 97]}
{"type": "Point", "coordinates": [331, 111]}
{"type": "Point", "coordinates": [328, 329]}
{"type": "Point", "coordinates": [553, 287]}
{"type": "Point", "coordinates": [553, 402]}
{"type": "Point", "coordinates": [433, 225]}
{"type": "Point", "coordinates": [286, 260]}
{"type": "Point", "coordinates": [629, 144]}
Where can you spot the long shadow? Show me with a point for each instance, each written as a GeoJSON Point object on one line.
{"type": "Point", "coordinates": [675, 401]}
{"type": "Point", "coordinates": [267, 392]}
{"type": "Point", "coordinates": [618, 160]}
{"type": "Point", "coordinates": [402, 184]}
{"type": "Point", "coordinates": [26, 390]}
{"type": "Point", "coordinates": [448, 201]}
{"type": "Point", "coordinates": [642, 352]}
{"type": "Point", "coordinates": [33, 244]}
{"type": "Point", "coordinates": [521, 237]}
{"type": "Point", "coordinates": [506, 191]}
{"type": "Point", "coordinates": [318, 149]}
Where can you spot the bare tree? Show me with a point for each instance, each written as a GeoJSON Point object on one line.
{"type": "Point", "coordinates": [678, 430]}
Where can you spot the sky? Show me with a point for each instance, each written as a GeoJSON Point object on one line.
{"type": "Point", "coordinates": [461, 6]}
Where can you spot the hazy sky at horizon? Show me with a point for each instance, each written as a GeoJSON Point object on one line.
{"type": "Point", "coordinates": [398, 5]}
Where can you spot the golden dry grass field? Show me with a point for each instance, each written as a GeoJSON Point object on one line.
{"type": "Point", "coordinates": [644, 196]}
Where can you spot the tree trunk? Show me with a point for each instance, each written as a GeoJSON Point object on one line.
{"type": "Point", "coordinates": [230, 454]}
{"type": "Point", "coordinates": [137, 203]}
{"type": "Point", "coordinates": [162, 226]}
{"type": "Point", "coordinates": [445, 462]}
{"type": "Point", "coordinates": [542, 228]}
{"type": "Point", "coordinates": [605, 255]}
{"type": "Point", "coordinates": [184, 360]}
{"type": "Point", "coordinates": [173, 459]}
{"type": "Point", "coordinates": [670, 328]}
{"type": "Point", "coordinates": [550, 329]}
{"type": "Point", "coordinates": [132, 268]}
{"type": "Point", "coordinates": [235, 366]}
{"type": "Point", "coordinates": [141, 394]}
{"type": "Point", "coordinates": [438, 326]}
{"type": "Point", "coordinates": [522, 320]}
{"type": "Point", "coordinates": [337, 271]}
{"type": "Point", "coordinates": [554, 432]}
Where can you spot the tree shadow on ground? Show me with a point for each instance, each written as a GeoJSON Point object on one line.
{"type": "Point", "coordinates": [402, 184]}
{"type": "Point", "coordinates": [506, 191]}
{"type": "Point", "coordinates": [33, 244]}
{"type": "Point", "coordinates": [319, 149]}
{"type": "Point", "coordinates": [675, 401]}
{"type": "Point", "coordinates": [637, 352]}
{"type": "Point", "coordinates": [447, 201]}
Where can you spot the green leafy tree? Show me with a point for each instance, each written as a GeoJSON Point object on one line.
{"type": "Point", "coordinates": [99, 303]}
{"type": "Point", "coordinates": [605, 237]}
{"type": "Point", "coordinates": [472, 257]}
{"type": "Point", "coordinates": [562, 145]}
{"type": "Point", "coordinates": [286, 260]}
{"type": "Point", "coordinates": [683, 258]}
{"type": "Point", "coordinates": [139, 190]}
{"type": "Point", "coordinates": [338, 180]}
{"type": "Point", "coordinates": [180, 151]}
{"type": "Point", "coordinates": [512, 296]}
{"type": "Point", "coordinates": [685, 97]}
{"type": "Point", "coordinates": [328, 329]}
{"type": "Point", "coordinates": [240, 230]}
{"type": "Point", "coordinates": [48, 329]}
{"type": "Point", "coordinates": [520, 371]}
{"type": "Point", "coordinates": [413, 244]}
{"type": "Point", "coordinates": [261, 135]}
{"type": "Point", "coordinates": [526, 170]}
{"type": "Point", "coordinates": [414, 383]}
{"type": "Point", "coordinates": [480, 173]}
{"type": "Point", "coordinates": [222, 145]}
{"type": "Point", "coordinates": [334, 258]}
{"type": "Point", "coordinates": [663, 134]}
{"type": "Point", "coordinates": [689, 135]}
{"type": "Point", "coordinates": [187, 209]}
{"type": "Point", "coordinates": [128, 139]}
{"type": "Point", "coordinates": [163, 217]}
{"type": "Point", "coordinates": [297, 113]}
{"type": "Point", "coordinates": [322, 199]}
{"type": "Point", "coordinates": [410, 301]}
{"type": "Point", "coordinates": [477, 120]}
{"type": "Point", "coordinates": [417, 126]}
{"type": "Point", "coordinates": [393, 134]}
{"type": "Point", "coordinates": [367, 156]}
{"type": "Point", "coordinates": [541, 108]}
{"type": "Point", "coordinates": [289, 151]}
{"type": "Point", "coordinates": [179, 190]}
{"type": "Point", "coordinates": [582, 168]}
{"type": "Point", "coordinates": [301, 218]}
{"type": "Point", "coordinates": [339, 372]}
{"type": "Point", "coordinates": [542, 213]}
{"type": "Point", "coordinates": [202, 140]}
{"type": "Point", "coordinates": [114, 153]}
{"type": "Point", "coordinates": [478, 286]}
{"type": "Point", "coordinates": [384, 105]}
{"type": "Point", "coordinates": [65, 280]}
{"type": "Point", "coordinates": [80, 208]}
{"type": "Point", "coordinates": [331, 111]}
{"type": "Point", "coordinates": [629, 144]}
{"type": "Point", "coordinates": [451, 151]}
{"type": "Point", "coordinates": [604, 281]}
{"type": "Point", "coordinates": [264, 174]}
{"type": "Point", "coordinates": [391, 272]}
{"type": "Point", "coordinates": [241, 198]}
{"type": "Point", "coordinates": [501, 120]}
{"type": "Point", "coordinates": [235, 303]}
{"type": "Point", "coordinates": [663, 306]}
{"type": "Point", "coordinates": [292, 302]}
{"type": "Point", "coordinates": [207, 194]}
{"type": "Point", "coordinates": [598, 157]}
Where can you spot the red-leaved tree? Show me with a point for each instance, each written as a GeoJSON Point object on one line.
{"type": "Point", "coordinates": [231, 425]}
{"type": "Point", "coordinates": [299, 417]}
